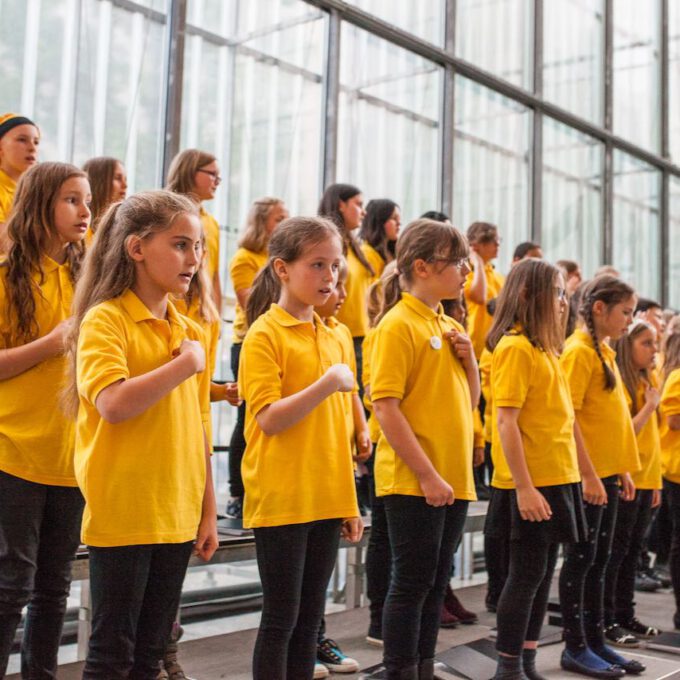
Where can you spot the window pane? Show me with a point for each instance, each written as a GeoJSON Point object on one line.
{"type": "Point", "coordinates": [572, 196]}
{"type": "Point", "coordinates": [388, 136]}
{"type": "Point", "coordinates": [636, 72]}
{"type": "Point", "coordinates": [674, 79]}
{"type": "Point", "coordinates": [424, 19]}
{"type": "Point", "coordinates": [491, 164]}
{"type": "Point", "coordinates": [573, 56]}
{"type": "Point", "coordinates": [674, 244]}
{"type": "Point", "coordinates": [635, 221]}
{"type": "Point", "coordinates": [497, 35]}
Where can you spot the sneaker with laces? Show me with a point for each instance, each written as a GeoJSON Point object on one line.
{"type": "Point", "coordinates": [640, 629]}
{"type": "Point", "coordinates": [328, 653]}
{"type": "Point", "coordinates": [618, 637]}
{"type": "Point", "coordinates": [235, 507]}
{"type": "Point", "coordinates": [320, 671]}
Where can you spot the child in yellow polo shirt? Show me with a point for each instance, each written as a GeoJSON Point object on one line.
{"type": "Point", "coordinates": [424, 387]}
{"type": "Point", "coordinates": [40, 504]}
{"type": "Point", "coordinates": [604, 420]}
{"type": "Point", "coordinates": [141, 394]}
{"type": "Point", "coordinates": [264, 216]}
{"type": "Point", "coordinates": [297, 468]}
{"type": "Point", "coordinates": [108, 181]}
{"type": "Point", "coordinates": [635, 357]}
{"type": "Point", "coordinates": [19, 141]}
{"type": "Point", "coordinates": [379, 231]}
{"type": "Point", "coordinates": [670, 454]}
{"type": "Point", "coordinates": [536, 474]}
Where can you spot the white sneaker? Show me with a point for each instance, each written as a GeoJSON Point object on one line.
{"type": "Point", "coordinates": [320, 671]}
{"type": "Point", "coordinates": [328, 652]}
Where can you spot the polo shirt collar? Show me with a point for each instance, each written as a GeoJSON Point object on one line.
{"type": "Point", "coordinates": [283, 318]}
{"type": "Point", "coordinates": [586, 339]}
{"type": "Point", "coordinates": [138, 311]}
{"type": "Point", "coordinates": [7, 181]}
{"type": "Point", "coordinates": [420, 308]}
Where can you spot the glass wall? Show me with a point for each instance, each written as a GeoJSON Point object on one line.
{"type": "Point", "coordinates": [674, 80]}
{"type": "Point", "coordinates": [572, 196]}
{"type": "Point", "coordinates": [491, 168]}
{"type": "Point", "coordinates": [674, 244]}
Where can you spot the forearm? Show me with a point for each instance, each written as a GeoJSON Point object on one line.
{"type": "Point", "coordinates": [358, 414]}
{"type": "Point", "coordinates": [17, 360]}
{"type": "Point", "coordinates": [642, 416]}
{"type": "Point", "coordinates": [477, 291]}
{"type": "Point", "coordinates": [217, 293]}
{"type": "Point", "coordinates": [472, 373]}
{"type": "Point", "coordinates": [400, 436]}
{"type": "Point", "coordinates": [513, 449]}
{"type": "Point", "coordinates": [284, 413]}
{"type": "Point", "coordinates": [209, 507]}
{"type": "Point", "coordinates": [130, 398]}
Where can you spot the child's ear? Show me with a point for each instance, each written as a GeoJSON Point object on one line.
{"type": "Point", "coordinates": [598, 308]}
{"type": "Point", "coordinates": [134, 249]}
{"type": "Point", "coordinates": [420, 268]}
{"type": "Point", "coordinates": [280, 268]}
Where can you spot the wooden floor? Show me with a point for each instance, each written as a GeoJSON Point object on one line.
{"type": "Point", "coordinates": [229, 656]}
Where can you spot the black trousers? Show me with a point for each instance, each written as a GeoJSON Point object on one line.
{"type": "Point", "coordinates": [673, 491]}
{"type": "Point", "coordinates": [295, 563]}
{"type": "Point", "coordinates": [423, 540]}
{"type": "Point", "coordinates": [39, 536]}
{"type": "Point", "coordinates": [237, 444]}
{"type": "Point", "coordinates": [135, 594]}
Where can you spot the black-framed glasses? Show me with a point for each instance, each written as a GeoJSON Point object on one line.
{"type": "Point", "coordinates": [215, 175]}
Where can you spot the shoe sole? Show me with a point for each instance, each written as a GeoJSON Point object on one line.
{"type": "Point", "coordinates": [605, 675]}
{"type": "Point", "coordinates": [374, 642]}
{"type": "Point", "coordinates": [337, 668]}
{"type": "Point", "coordinates": [623, 645]}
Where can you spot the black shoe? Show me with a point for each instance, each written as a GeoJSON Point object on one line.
{"type": "Point", "coordinates": [640, 630]}
{"type": "Point", "coordinates": [631, 666]}
{"type": "Point", "coordinates": [588, 663]}
{"type": "Point", "coordinates": [644, 584]}
{"type": "Point", "coordinates": [615, 635]}
{"type": "Point", "coordinates": [659, 577]}
{"type": "Point", "coordinates": [235, 507]}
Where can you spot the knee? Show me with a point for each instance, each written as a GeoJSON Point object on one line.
{"type": "Point", "coordinates": [13, 600]}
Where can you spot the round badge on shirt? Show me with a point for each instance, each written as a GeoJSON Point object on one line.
{"type": "Point", "coordinates": [435, 342]}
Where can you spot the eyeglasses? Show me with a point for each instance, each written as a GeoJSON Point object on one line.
{"type": "Point", "coordinates": [458, 264]}
{"type": "Point", "coordinates": [561, 294]}
{"type": "Point", "coordinates": [216, 177]}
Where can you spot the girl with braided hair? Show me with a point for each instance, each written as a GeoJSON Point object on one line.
{"type": "Point", "coordinates": [605, 423]}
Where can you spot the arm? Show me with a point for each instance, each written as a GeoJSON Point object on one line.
{"type": "Point", "coordinates": [652, 399]}
{"type": "Point", "coordinates": [532, 505]}
{"type": "Point", "coordinates": [286, 412]}
{"type": "Point", "coordinates": [242, 297]}
{"type": "Point", "coordinates": [401, 438]}
{"type": "Point", "coordinates": [17, 360]}
{"type": "Point", "coordinates": [217, 293]}
{"type": "Point", "coordinates": [593, 489]}
{"type": "Point", "coordinates": [363, 441]}
{"type": "Point", "coordinates": [206, 537]}
{"type": "Point", "coordinates": [462, 348]}
{"type": "Point", "coordinates": [477, 290]}
{"type": "Point", "coordinates": [126, 399]}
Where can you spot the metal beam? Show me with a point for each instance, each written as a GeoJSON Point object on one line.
{"type": "Point", "coordinates": [448, 114]}
{"type": "Point", "coordinates": [536, 206]}
{"type": "Point", "coordinates": [331, 97]}
{"type": "Point", "coordinates": [664, 221]}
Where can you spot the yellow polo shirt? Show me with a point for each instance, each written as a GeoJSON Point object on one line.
{"type": "Point", "coordinates": [304, 473]}
{"type": "Point", "coordinates": [649, 444]}
{"type": "Point", "coordinates": [670, 439]}
{"type": "Point", "coordinates": [8, 188]}
{"type": "Point", "coordinates": [354, 311]}
{"type": "Point", "coordinates": [524, 377]}
{"type": "Point", "coordinates": [478, 429]}
{"type": "Point", "coordinates": [479, 320]}
{"type": "Point", "coordinates": [602, 415]}
{"type": "Point", "coordinates": [375, 259]}
{"type": "Point", "coordinates": [412, 361]}
{"type": "Point", "coordinates": [243, 269]}
{"type": "Point", "coordinates": [36, 439]}
{"type": "Point", "coordinates": [211, 228]}
{"type": "Point", "coordinates": [485, 382]}
{"type": "Point", "coordinates": [143, 479]}
{"type": "Point", "coordinates": [366, 349]}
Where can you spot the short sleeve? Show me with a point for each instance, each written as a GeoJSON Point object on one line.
{"type": "Point", "coordinates": [102, 353]}
{"type": "Point", "coordinates": [392, 360]}
{"type": "Point", "coordinates": [578, 368]}
{"type": "Point", "coordinates": [259, 370]}
{"type": "Point", "coordinates": [485, 374]}
{"type": "Point", "coordinates": [670, 398]}
{"type": "Point", "coordinates": [242, 270]}
{"type": "Point", "coordinates": [511, 371]}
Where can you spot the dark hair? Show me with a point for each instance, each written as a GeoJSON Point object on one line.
{"type": "Point", "coordinates": [528, 300]}
{"type": "Point", "coordinates": [481, 232]}
{"type": "Point", "coordinates": [630, 374]}
{"type": "Point", "coordinates": [329, 207]}
{"type": "Point", "coordinates": [452, 306]}
{"type": "Point", "coordinates": [288, 242]}
{"type": "Point", "coordinates": [645, 304]}
{"type": "Point", "coordinates": [569, 266]}
{"type": "Point", "coordinates": [378, 211]}
{"type": "Point", "coordinates": [523, 248]}
{"type": "Point", "coordinates": [574, 304]}
{"type": "Point", "coordinates": [436, 216]}
{"type": "Point", "coordinates": [100, 171]}
{"type": "Point", "coordinates": [427, 240]}
{"type": "Point", "coordinates": [611, 291]}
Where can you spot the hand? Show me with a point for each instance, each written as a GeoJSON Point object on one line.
{"type": "Point", "coordinates": [363, 442]}
{"type": "Point", "coordinates": [352, 529]}
{"type": "Point", "coordinates": [231, 394]}
{"type": "Point", "coordinates": [206, 538]}
{"type": "Point", "coordinates": [341, 377]}
{"type": "Point", "coordinates": [462, 346]}
{"type": "Point", "coordinates": [652, 396]}
{"type": "Point", "coordinates": [476, 259]}
{"type": "Point", "coordinates": [532, 505]}
{"type": "Point", "coordinates": [656, 498]}
{"type": "Point", "coordinates": [627, 487]}
{"type": "Point", "coordinates": [57, 336]}
{"type": "Point", "coordinates": [594, 491]}
{"type": "Point", "coordinates": [437, 492]}
{"type": "Point", "coordinates": [195, 350]}
{"type": "Point", "coordinates": [477, 456]}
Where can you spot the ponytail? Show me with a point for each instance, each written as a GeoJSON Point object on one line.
{"type": "Point", "coordinates": [266, 289]}
{"type": "Point", "coordinates": [392, 291]}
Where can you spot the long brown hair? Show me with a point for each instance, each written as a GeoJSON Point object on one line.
{"type": "Point", "coordinates": [200, 289]}
{"type": "Point", "coordinates": [100, 171]}
{"type": "Point", "coordinates": [255, 236]}
{"type": "Point", "coordinates": [108, 270]}
{"type": "Point", "coordinates": [611, 291]}
{"type": "Point", "coordinates": [329, 207]}
{"type": "Point", "coordinates": [671, 355]}
{"type": "Point", "coordinates": [527, 300]}
{"type": "Point", "coordinates": [376, 294]}
{"type": "Point", "coordinates": [288, 242]}
{"type": "Point", "coordinates": [30, 230]}
{"type": "Point", "coordinates": [183, 169]}
{"type": "Point", "coordinates": [631, 374]}
{"type": "Point", "coordinates": [423, 239]}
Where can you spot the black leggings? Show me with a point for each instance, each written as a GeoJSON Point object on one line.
{"type": "Point", "coordinates": [673, 491]}
{"type": "Point", "coordinates": [524, 600]}
{"type": "Point", "coordinates": [237, 445]}
{"type": "Point", "coordinates": [295, 563]}
{"type": "Point", "coordinates": [583, 571]}
{"type": "Point", "coordinates": [632, 523]}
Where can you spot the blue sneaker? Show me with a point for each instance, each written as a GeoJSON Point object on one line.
{"type": "Point", "coordinates": [629, 665]}
{"type": "Point", "coordinates": [328, 653]}
{"type": "Point", "coordinates": [586, 662]}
